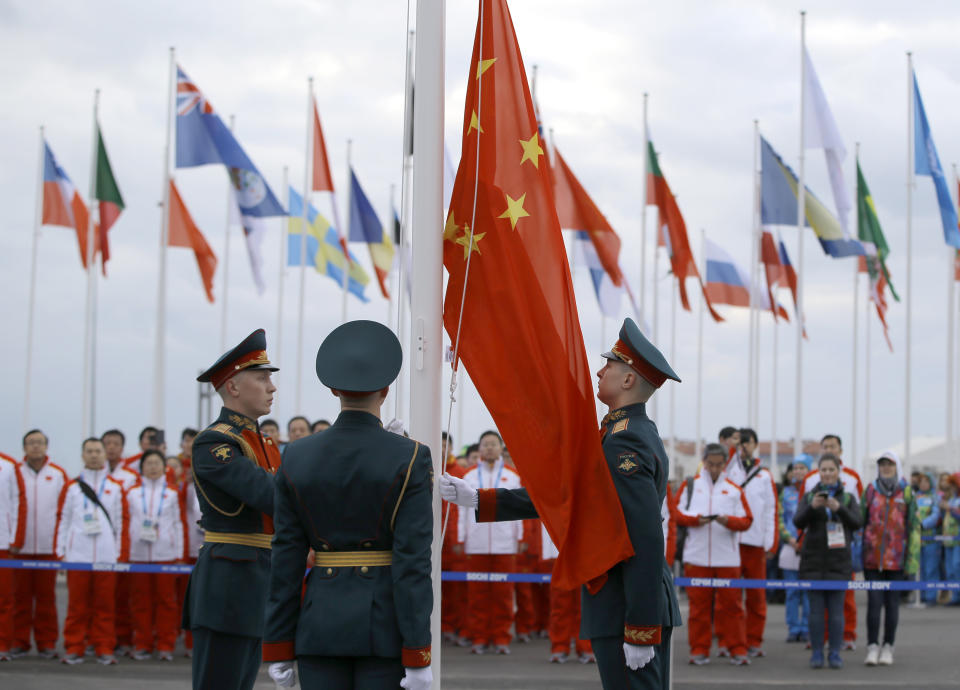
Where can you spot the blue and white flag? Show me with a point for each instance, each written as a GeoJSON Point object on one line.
{"type": "Point", "coordinates": [927, 162]}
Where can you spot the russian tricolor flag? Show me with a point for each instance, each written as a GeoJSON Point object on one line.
{"type": "Point", "coordinates": [62, 204]}
{"type": "Point", "coordinates": [727, 283]}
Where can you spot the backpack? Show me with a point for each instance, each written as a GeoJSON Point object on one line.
{"type": "Point", "coordinates": [682, 531]}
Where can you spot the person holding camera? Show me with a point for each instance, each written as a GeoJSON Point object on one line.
{"type": "Point", "coordinates": [829, 516]}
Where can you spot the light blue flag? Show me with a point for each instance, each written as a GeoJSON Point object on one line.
{"type": "Point", "coordinates": [927, 162]}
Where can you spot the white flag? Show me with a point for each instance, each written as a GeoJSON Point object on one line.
{"type": "Point", "coordinates": [253, 233]}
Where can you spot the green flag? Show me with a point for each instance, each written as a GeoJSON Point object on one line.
{"type": "Point", "coordinates": [106, 191]}
{"type": "Point", "coordinates": [869, 230]}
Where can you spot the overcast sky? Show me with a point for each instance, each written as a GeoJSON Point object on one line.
{"type": "Point", "coordinates": [710, 68]}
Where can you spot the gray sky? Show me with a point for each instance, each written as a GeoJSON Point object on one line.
{"type": "Point", "coordinates": [711, 68]}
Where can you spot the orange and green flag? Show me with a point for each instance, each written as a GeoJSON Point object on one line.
{"type": "Point", "coordinates": [106, 191]}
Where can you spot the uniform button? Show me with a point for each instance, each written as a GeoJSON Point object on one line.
{"type": "Point", "coordinates": [325, 547]}
{"type": "Point", "coordinates": [364, 569]}
{"type": "Point", "coordinates": [329, 571]}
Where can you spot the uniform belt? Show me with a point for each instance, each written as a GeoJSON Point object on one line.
{"type": "Point", "coordinates": [350, 559]}
{"type": "Point", "coordinates": [261, 541]}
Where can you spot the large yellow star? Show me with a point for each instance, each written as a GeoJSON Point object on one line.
{"type": "Point", "coordinates": [484, 66]}
{"type": "Point", "coordinates": [474, 123]}
{"type": "Point", "coordinates": [450, 229]}
{"type": "Point", "coordinates": [515, 210]}
{"type": "Point", "coordinates": [470, 244]}
{"type": "Point", "coordinates": [532, 150]}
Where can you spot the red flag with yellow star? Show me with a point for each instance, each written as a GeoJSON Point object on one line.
{"type": "Point", "coordinates": [519, 336]}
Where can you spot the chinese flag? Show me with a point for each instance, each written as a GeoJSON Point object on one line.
{"type": "Point", "coordinates": [322, 180]}
{"type": "Point", "coordinates": [577, 211]}
{"type": "Point", "coordinates": [183, 232]}
{"type": "Point", "coordinates": [519, 336]}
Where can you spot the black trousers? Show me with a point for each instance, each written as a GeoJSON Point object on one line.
{"type": "Point", "coordinates": [614, 674]}
{"type": "Point", "coordinates": [224, 662]}
{"type": "Point", "coordinates": [888, 601]}
{"type": "Point", "coordinates": [831, 601]}
{"type": "Point", "coordinates": [349, 673]}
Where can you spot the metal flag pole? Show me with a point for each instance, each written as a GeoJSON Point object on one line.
{"type": "Point", "coordinates": [643, 218]}
{"type": "Point", "coordinates": [754, 320]}
{"type": "Point", "coordinates": [674, 289]}
{"type": "Point", "coordinates": [774, 446]}
{"type": "Point", "coordinates": [87, 416]}
{"type": "Point", "coordinates": [866, 381]}
{"type": "Point", "coordinates": [703, 299]}
{"type": "Point", "coordinates": [406, 178]}
{"type": "Point", "coordinates": [854, 449]}
{"type": "Point", "coordinates": [909, 290]}
{"type": "Point", "coordinates": [801, 216]}
{"type": "Point", "coordinates": [754, 290]}
{"type": "Point", "coordinates": [159, 366]}
{"type": "Point", "coordinates": [656, 306]}
{"type": "Point", "coordinates": [224, 298]}
{"type": "Point", "coordinates": [307, 170]}
{"type": "Point", "coordinates": [346, 236]}
{"type": "Point", "coordinates": [281, 271]}
{"type": "Point", "coordinates": [426, 342]}
{"type": "Point", "coordinates": [951, 349]}
{"type": "Point", "coordinates": [32, 299]}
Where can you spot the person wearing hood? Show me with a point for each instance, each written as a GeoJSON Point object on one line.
{"type": "Point", "coordinates": [928, 513]}
{"type": "Point", "coordinates": [891, 550]}
{"type": "Point", "coordinates": [829, 516]}
{"type": "Point", "coordinates": [950, 510]}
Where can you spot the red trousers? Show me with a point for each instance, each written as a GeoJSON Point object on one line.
{"type": "Point", "coordinates": [728, 615]}
{"type": "Point", "coordinates": [181, 583]}
{"type": "Point", "coordinates": [453, 595]}
{"type": "Point", "coordinates": [6, 605]}
{"type": "Point", "coordinates": [35, 609]}
{"type": "Point", "coordinates": [533, 599]}
{"type": "Point", "coordinates": [753, 566]}
{"type": "Point", "coordinates": [565, 621]}
{"type": "Point", "coordinates": [490, 604]}
{"type": "Point", "coordinates": [123, 621]}
{"type": "Point", "coordinates": [90, 612]}
{"type": "Point", "coordinates": [155, 611]}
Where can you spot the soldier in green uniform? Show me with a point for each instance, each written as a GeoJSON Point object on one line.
{"type": "Point", "coordinates": [360, 497]}
{"type": "Point", "coordinates": [233, 467]}
{"type": "Point", "coordinates": [630, 619]}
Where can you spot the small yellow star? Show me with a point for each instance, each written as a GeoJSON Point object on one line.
{"type": "Point", "coordinates": [450, 229]}
{"type": "Point", "coordinates": [470, 244]}
{"type": "Point", "coordinates": [474, 123]}
{"type": "Point", "coordinates": [515, 210]}
{"type": "Point", "coordinates": [484, 66]}
{"type": "Point", "coordinates": [532, 150]}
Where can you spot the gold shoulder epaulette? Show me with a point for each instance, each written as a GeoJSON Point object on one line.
{"type": "Point", "coordinates": [222, 428]}
{"type": "Point", "coordinates": [620, 426]}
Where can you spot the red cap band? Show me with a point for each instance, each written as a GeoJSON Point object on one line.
{"type": "Point", "coordinates": [222, 375]}
{"type": "Point", "coordinates": [625, 354]}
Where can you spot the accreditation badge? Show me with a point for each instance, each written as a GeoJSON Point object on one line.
{"type": "Point", "coordinates": [148, 531]}
{"type": "Point", "coordinates": [836, 539]}
{"type": "Point", "coordinates": [91, 524]}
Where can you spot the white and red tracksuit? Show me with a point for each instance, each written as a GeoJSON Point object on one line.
{"type": "Point", "coordinates": [453, 595]}
{"type": "Point", "coordinates": [123, 621]}
{"type": "Point", "coordinates": [13, 518]}
{"type": "Point", "coordinates": [564, 622]}
{"type": "Point", "coordinates": [712, 550]}
{"type": "Point", "coordinates": [533, 599]}
{"type": "Point", "coordinates": [852, 485]}
{"type": "Point", "coordinates": [35, 610]}
{"type": "Point", "coordinates": [153, 524]}
{"type": "Point", "coordinates": [755, 543]}
{"type": "Point", "coordinates": [490, 547]}
{"type": "Point", "coordinates": [91, 603]}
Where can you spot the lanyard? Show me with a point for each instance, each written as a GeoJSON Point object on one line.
{"type": "Point", "coordinates": [99, 493]}
{"type": "Point", "coordinates": [496, 482]}
{"type": "Point", "coordinates": [143, 500]}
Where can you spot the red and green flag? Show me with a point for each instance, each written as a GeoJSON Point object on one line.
{"type": "Point", "coordinates": [106, 191]}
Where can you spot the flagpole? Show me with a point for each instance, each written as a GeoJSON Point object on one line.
{"type": "Point", "coordinates": [346, 237]}
{"type": "Point", "coordinates": [307, 169]}
{"type": "Point", "coordinates": [951, 306]}
{"type": "Point", "coordinates": [643, 219]}
{"type": "Point", "coordinates": [406, 177]}
{"type": "Point", "coordinates": [754, 320]}
{"type": "Point", "coordinates": [224, 298]}
{"type": "Point", "coordinates": [281, 271]}
{"type": "Point", "coordinates": [801, 216]}
{"type": "Point", "coordinates": [866, 378]}
{"type": "Point", "coordinates": [909, 290]}
{"type": "Point", "coordinates": [774, 446]}
{"type": "Point", "coordinates": [656, 310]}
{"type": "Point", "coordinates": [673, 361]}
{"type": "Point", "coordinates": [703, 261]}
{"type": "Point", "coordinates": [159, 377]}
{"type": "Point", "coordinates": [426, 343]}
{"type": "Point", "coordinates": [854, 454]}
{"type": "Point", "coordinates": [390, 325]}
{"type": "Point", "coordinates": [32, 299]}
{"type": "Point", "coordinates": [87, 416]}
{"type": "Point", "coordinates": [755, 419]}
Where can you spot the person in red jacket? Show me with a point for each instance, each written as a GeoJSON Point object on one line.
{"type": "Point", "coordinates": [13, 518]}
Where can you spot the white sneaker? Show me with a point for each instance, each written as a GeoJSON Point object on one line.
{"type": "Point", "coordinates": [886, 655]}
{"type": "Point", "coordinates": [873, 655]}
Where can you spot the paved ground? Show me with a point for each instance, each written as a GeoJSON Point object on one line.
{"type": "Point", "coordinates": [927, 657]}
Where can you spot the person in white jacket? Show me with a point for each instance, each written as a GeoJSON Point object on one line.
{"type": "Point", "coordinates": [153, 525]}
{"type": "Point", "coordinates": [35, 609]}
{"type": "Point", "coordinates": [113, 440]}
{"type": "Point", "coordinates": [490, 547]}
{"type": "Point", "coordinates": [13, 513]}
{"type": "Point", "coordinates": [761, 539]}
{"type": "Point", "coordinates": [89, 530]}
{"type": "Point", "coordinates": [714, 510]}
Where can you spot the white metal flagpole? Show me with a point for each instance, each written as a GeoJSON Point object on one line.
{"type": "Point", "coordinates": [703, 265]}
{"type": "Point", "coordinates": [951, 350]}
{"type": "Point", "coordinates": [281, 271]}
{"type": "Point", "coordinates": [801, 217]}
{"type": "Point", "coordinates": [854, 446]}
{"type": "Point", "coordinates": [866, 382]}
{"type": "Point", "coordinates": [225, 297]}
{"type": "Point", "coordinates": [307, 170]}
{"type": "Point", "coordinates": [774, 447]}
{"type": "Point", "coordinates": [674, 289]}
{"type": "Point", "coordinates": [159, 367]}
{"type": "Point", "coordinates": [87, 423]}
{"type": "Point", "coordinates": [346, 230]}
{"type": "Point", "coordinates": [656, 307]}
{"type": "Point", "coordinates": [426, 343]}
{"type": "Point", "coordinates": [909, 296]}
{"type": "Point", "coordinates": [754, 320]}
{"type": "Point", "coordinates": [643, 220]}
{"type": "Point", "coordinates": [32, 299]}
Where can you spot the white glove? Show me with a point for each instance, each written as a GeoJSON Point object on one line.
{"type": "Point", "coordinates": [637, 656]}
{"type": "Point", "coordinates": [455, 490]}
{"type": "Point", "coordinates": [417, 678]}
{"type": "Point", "coordinates": [283, 674]}
{"type": "Point", "coordinates": [395, 426]}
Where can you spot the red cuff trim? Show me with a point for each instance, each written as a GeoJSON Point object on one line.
{"type": "Point", "coordinates": [278, 651]}
{"type": "Point", "coordinates": [641, 634]}
{"type": "Point", "coordinates": [487, 505]}
{"type": "Point", "coordinates": [415, 658]}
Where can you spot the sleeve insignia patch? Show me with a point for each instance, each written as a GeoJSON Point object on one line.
{"type": "Point", "coordinates": [628, 463]}
{"type": "Point", "coordinates": [639, 635]}
{"type": "Point", "coordinates": [222, 452]}
{"type": "Point", "coordinates": [620, 426]}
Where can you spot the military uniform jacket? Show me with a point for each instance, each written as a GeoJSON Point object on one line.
{"type": "Point", "coordinates": [638, 598]}
{"type": "Point", "coordinates": [355, 493]}
{"type": "Point", "coordinates": [233, 467]}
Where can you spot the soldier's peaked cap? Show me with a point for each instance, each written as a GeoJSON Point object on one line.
{"type": "Point", "coordinates": [634, 350]}
{"type": "Point", "coordinates": [359, 357]}
{"type": "Point", "coordinates": [250, 354]}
